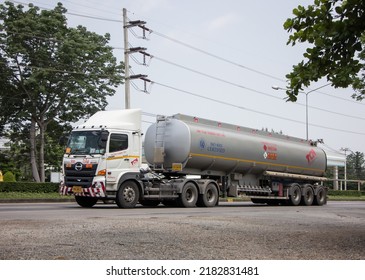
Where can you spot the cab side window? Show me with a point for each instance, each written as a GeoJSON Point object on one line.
{"type": "Point", "coordinates": [118, 142]}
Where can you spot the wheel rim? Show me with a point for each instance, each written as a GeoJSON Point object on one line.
{"type": "Point", "coordinates": [189, 195]}
{"type": "Point", "coordinates": [210, 195]}
{"type": "Point", "coordinates": [296, 194]}
{"type": "Point", "coordinates": [129, 194]}
{"type": "Point", "coordinates": [308, 195]}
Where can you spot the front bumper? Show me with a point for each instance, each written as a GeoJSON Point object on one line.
{"type": "Point", "coordinates": [97, 189]}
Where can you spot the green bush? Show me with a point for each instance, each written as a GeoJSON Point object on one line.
{"type": "Point", "coordinates": [9, 177]}
{"type": "Point", "coordinates": [345, 193]}
{"type": "Point", "coordinates": [31, 187]}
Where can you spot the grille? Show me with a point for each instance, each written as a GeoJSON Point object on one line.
{"type": "Point", "coordinates": [83, 177]}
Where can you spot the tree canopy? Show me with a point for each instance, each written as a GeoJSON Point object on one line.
{"type": "Point", "coordinates": [50, 73]}
{"type": "Point", "coordinates": [356, 166]}
{"type": "Point", "coordinates": [335, 31]}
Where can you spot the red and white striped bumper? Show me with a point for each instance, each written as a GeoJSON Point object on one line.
{"type": "Point", "coordinates": [96, 190]}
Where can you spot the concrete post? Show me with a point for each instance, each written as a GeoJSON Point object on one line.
{"type": "Point", "coordinates": [335, 177]}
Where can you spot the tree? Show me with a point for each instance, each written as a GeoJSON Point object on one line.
{"type": "Point", "coordinates": [6, 88]}
{"type": "Point", "coordinates": [335, 30]}
{"type": "Point", "coordinates": [56, 73]}
{"type": "Point", "coordinates": [355, 164]}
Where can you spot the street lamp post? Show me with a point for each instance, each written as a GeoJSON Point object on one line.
{"type": "Point", "coordinates": [306, 104]}
{"type": "Point", "coordinates": [345, 177]}
{"type": "Point", "coordinates": [306, 114]}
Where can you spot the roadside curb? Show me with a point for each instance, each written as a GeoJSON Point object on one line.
{"type": "Point", "coordinates": [56, 200]}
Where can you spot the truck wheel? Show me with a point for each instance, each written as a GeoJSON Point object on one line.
{"type": "Point", "coordinates": [308, 196]}
{"type": "Point", "coordinates": [295, 195]}
{"type": "Point", "coordinates": [85, 201]}
{"type": "Point", "coordinates": [188, 196]}
{"type": "Point", "coordinates": [209, 198]}
{"type": "Point", "coordinates": [321, 197]}
{"type": "Point", "coordinates": [127, 195]}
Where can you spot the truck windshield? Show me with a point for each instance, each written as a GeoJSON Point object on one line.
{"type": "Point", "coordinates": [86, 143]}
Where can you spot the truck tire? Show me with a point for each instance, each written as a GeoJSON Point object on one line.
{"type": "Point", "coordinates": [295, 195]}
{"type": "Point", "coordinates": [127, 195]}
{"type": "Point", "coordinates": [209, 198]}
{"type": "Point", "coordinates": [188, 196]}
{"type": "Point", "coordinates": [321, 197]}
{"type": "Point", "coordinates": [86, 202]}
{"type": "Point", "coordinates": [308, 196]}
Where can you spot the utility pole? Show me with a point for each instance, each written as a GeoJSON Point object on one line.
{"type": "Point", "coordinates": [127, 51]}
{"type": "Point", "coordinates": [127, 92]}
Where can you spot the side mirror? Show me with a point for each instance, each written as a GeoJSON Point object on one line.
{"type": "Point", "coordinates": [63, 140]}
{"type": "Point", "coordinates": [103, 139]}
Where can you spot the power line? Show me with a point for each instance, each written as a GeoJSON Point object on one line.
{"type": "Point", "coordinates": [198, 50]}
{"type": "Point", "coordinates": [201, 73]}
{"type": "Point", "coordinates": [183, 67]}
{"type": "Point", "coordinates": [250, 89]}
{"type": "Point", "coordinates": [98, 9]}
{"type": "Point", "coordinates": [75, 14]}
{"type": "Point", "coordinates": [252, 110]}
{"type": "Point", "coordinates": [186, 68]}
{"type": "Point", "coordinates": [238, 64]}
{"type": "Point", "coordinates": [215, 56]}
{"type": "Point", "coordinates": [215, 78]}
{"type": "Point", "coordinates": [204, 74]}
{"type": "Point", "coordinates": [239, 85]}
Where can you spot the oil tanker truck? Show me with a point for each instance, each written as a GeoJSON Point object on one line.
{"type": "Point", "coordinates": [187, 161]}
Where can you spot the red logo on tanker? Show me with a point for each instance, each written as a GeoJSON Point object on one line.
{"type": "Point", "coordinates": [270, 151]}
{"type": "Point", "coordinates": [311, 156]}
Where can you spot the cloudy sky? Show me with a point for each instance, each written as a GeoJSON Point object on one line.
{"type": "Point", "coordinates": [219, 60]}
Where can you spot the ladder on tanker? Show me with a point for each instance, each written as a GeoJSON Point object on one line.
{"type": "Point", "coordinates": [159, 154]}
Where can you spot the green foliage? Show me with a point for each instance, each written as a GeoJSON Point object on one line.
{"type": "Point", "coordinates": [355, 164]}
{"type": "Point", "coordinates": [345, 193]}
{"type": "Point", "coordinates": [9, 177]}
{"type": "Point", "coordinates": [29, 187]}
{"type": "Point", "coordinates": [335, 30]}
{"type": "Point", "coordinates": [50, 76]}
{"type": "Point", "coordinates": [7, 164]}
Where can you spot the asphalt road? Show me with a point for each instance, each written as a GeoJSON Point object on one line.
{"type": "Point", "coordinates": [231, 231]}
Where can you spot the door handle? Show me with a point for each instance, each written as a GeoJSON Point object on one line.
{"type": "Point", "coordinates": [126, 159]}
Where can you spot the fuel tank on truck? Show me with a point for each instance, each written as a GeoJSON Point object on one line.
{"type": "Point", "coordinates": [192, 145]}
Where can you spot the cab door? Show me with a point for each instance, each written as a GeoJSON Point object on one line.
{"type": "Point", "coordinates": [118, 160]}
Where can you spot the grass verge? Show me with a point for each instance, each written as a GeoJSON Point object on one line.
{"type": "Point", "coordinates": [30, 195]}
{"type": "Point", "coordinates": [345, 198]}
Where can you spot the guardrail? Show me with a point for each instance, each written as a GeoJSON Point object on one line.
{"type": "Point", "coordinates": [343, 183]}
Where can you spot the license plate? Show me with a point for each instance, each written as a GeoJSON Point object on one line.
{"type": "Point", "coordinates": [77, 189]}
{"type": "Point", "coordinates": [176, 167]}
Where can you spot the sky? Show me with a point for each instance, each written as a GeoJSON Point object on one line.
{"type": "Point", "coordinates": [219, 60]}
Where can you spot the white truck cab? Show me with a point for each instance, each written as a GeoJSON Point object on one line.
{"type": "Point", "coordinates": [100, 153]}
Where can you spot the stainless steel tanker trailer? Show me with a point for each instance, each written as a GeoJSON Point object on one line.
{"type": "Point", "coordinates": [191, 162]}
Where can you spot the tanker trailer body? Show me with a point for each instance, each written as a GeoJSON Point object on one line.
{"type": "Point", "coordinates": [270, 168]}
